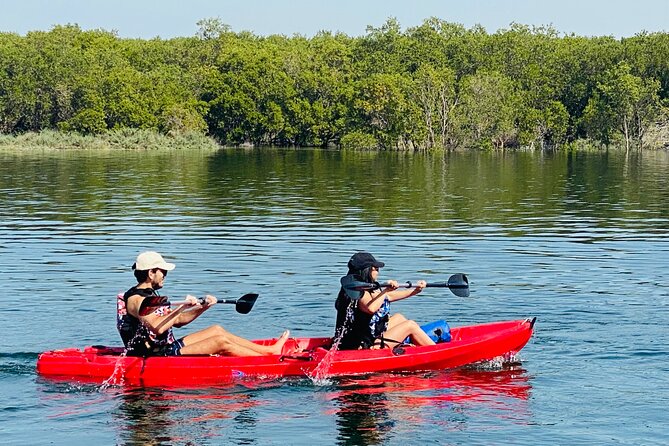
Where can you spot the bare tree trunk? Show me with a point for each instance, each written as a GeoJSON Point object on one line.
{"type": "Point", "coordinates": [627, 136]}
{"type": "Point", "coordinates": [640, 130]}
{"type": "Point", "coordinates": [445, 113]}
{"type": "Point", "coordinates": [427, 114]}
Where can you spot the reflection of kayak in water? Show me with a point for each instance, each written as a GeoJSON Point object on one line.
{"type": "Point", "coordinates": [365, 406]}
{"type": "Point", "coordinates": [301, 357]}
{"type": "Point", "coordinates": [465, 383]}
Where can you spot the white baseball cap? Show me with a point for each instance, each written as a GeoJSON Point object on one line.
{"type": "Point", "coordinates": [150, 260]}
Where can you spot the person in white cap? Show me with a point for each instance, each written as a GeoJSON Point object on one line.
{"type": "Point", "coordinates": [145, 319]}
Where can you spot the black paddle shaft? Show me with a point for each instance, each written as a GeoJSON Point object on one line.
{"type": "Point", "coordinates": [243, 305]}
{"type": "Point", "coordinates": [457, 283]}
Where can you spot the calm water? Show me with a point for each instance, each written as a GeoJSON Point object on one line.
{"type": "Point", "coordinates": [578, 240]}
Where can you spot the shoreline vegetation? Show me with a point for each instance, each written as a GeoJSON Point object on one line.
{"type": "Point", "coordinates": [437, 86]}
{"type": "Point", "coordinates": [143, 139]}
{"type": "Point", "coordinates": [121, 139]}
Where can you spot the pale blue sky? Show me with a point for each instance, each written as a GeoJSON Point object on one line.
{"type": "Point", "coordinates": [171, 18]}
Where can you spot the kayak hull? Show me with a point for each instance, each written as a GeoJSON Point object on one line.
{"type": "Point", "coordinates": [302, 357]}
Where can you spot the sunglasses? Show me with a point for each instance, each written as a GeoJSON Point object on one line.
{"type": "Point", "coordinates": [164, 271]}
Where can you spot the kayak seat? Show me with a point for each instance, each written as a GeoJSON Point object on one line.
{"type": "Point", "coordinates": [104, 350]}
{"type": "Point", "coordinates": [290, 347]}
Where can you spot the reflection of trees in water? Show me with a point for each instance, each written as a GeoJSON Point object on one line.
{"type": "Point", "coordinates": [362, 418]}
{"type": "Point", "coordinates": [503, 188]}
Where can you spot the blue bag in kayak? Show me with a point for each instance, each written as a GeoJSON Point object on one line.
{"type": "Point", "coordinates": [438, 331]}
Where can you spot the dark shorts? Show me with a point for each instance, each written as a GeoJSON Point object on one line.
{"type": "Point", "coordinates": [144, 350]}
{"type": "Point", "coordinates": [174, 349]}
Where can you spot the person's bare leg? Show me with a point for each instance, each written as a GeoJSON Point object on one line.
{"type": "Point", "coordinates": [274, 349]}
{"type": "Point", "coordinates": [218, 345]}
{"type": "Point", "coordinates": [395, 320]}
{"type": "Point", "coordinates": [217, 330]}
{"type": "Point", "coordinates": [408, 328]}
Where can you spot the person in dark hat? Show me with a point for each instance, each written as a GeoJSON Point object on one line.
{"type": "Point", "coordinates": [364, 320]}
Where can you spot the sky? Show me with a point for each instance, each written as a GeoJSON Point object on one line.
{"type": "Point", "coordinates": [147, 19]}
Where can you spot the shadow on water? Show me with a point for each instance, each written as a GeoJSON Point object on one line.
{"type": "Point", "coordinates": [157, 417]}
{"type": "Point", "coordinates": [145, 418]}
{"type": "Point", "coordinates": [362, 418]}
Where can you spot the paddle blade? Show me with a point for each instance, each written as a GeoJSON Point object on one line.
{"type": "Point", "coordinates": [353, 287]}
{"type": "Point", "coordinates": [245, 303]}
{"type": "Point", "coordinates": [459, 285]}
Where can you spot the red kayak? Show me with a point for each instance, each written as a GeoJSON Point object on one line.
{"type": "Point", "coordinates": [302, 357]}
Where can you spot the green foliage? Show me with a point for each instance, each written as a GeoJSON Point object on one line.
{"type": "Point", "coordinates": [435, 86]}
{"type": "Point", "coordinates": [489, 110]}
{"type": "Point", "coordinates": [383, 107]}
{"type": "Point", "coordinates": [546, 127]}
{"type": "Point", "coordinates": [177, 120]}
{"type": "Point", "coordinates": [122, 139]}
{"type": "Point", "coordinates": [87, 121]}
{"type": "Point", "coordinates": [434, 92]}
{"type": "Point", "coordinates": [623, 105]}
{"type": "Point", "coordinates": [358, 141]}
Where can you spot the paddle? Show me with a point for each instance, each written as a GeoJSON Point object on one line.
{"type": "Point", "coordinates": [457, 283]}
{"type": "Point", "coordinates": [243, 305]}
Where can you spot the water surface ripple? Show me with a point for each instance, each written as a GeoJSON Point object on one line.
{"type": "Point", "coordinates": [577, 239]}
